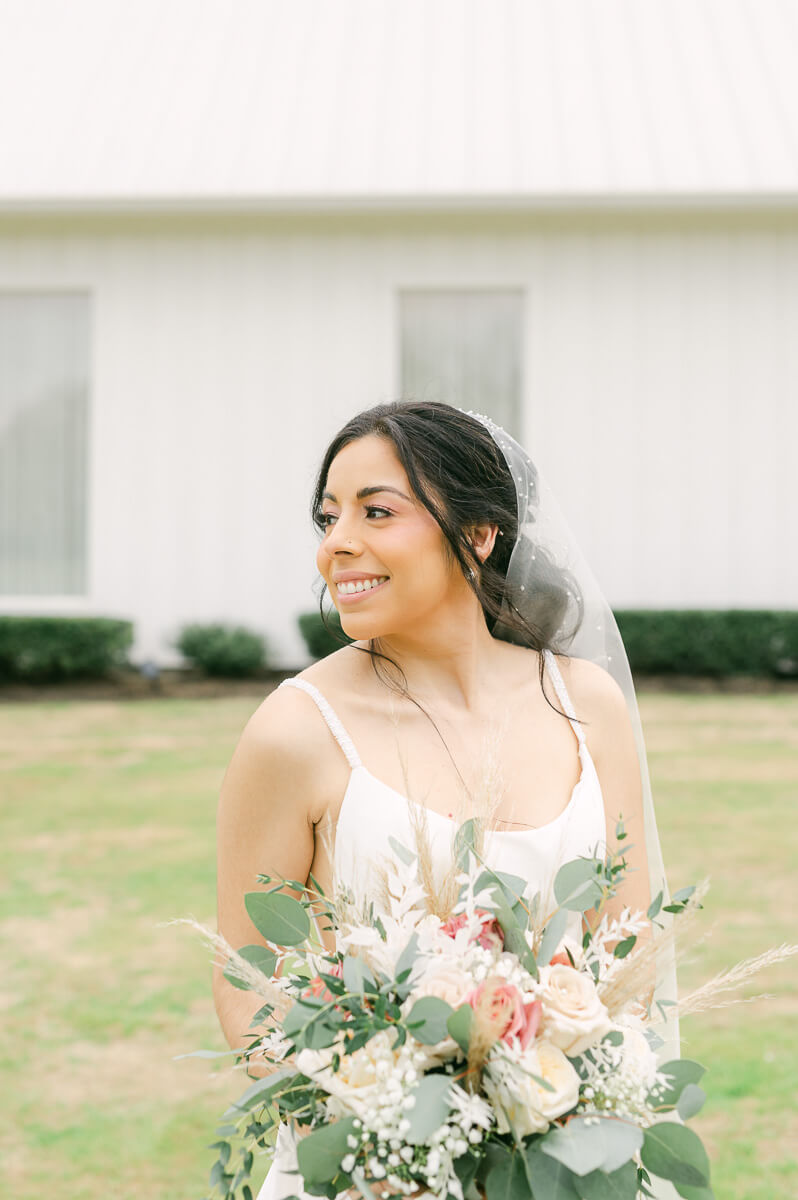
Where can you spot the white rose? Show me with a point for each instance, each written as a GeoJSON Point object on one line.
{"type": "Point", "coordinates": [357, 1080]}
{"type": "Point", "coordinates": [520, 1101]}
{"type": "Point", "coordinates": [573, 1016]}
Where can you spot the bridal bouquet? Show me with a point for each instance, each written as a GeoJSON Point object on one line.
{"type": "Point", "coordinates": [478, 1050]}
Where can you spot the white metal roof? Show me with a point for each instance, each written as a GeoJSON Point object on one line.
{"type": "Point", "coordinates": [292, 103]}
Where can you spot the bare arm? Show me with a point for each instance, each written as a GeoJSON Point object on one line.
{"type": "Point", "coordinates": [608, 728]}
{"type": "Point", "coordinates": [264, 826]}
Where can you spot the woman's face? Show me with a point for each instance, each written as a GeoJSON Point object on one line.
{"type": "Point", "coordinates": [384, 542]}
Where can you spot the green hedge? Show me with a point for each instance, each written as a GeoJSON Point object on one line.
{"type": "Point", "coordinates": [670, 641]}
{"type": "Point", "coordinates": [319, 641]}
{"type": "Point", "coordinates": [47, 649]}
{"type": "Point", "coordinates": [712, 642]}
{"type": "Point", "coordinates": [231, 651]}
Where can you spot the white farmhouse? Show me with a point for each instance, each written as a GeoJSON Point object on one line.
{"type": "Point", "coordinates": [227, 226]}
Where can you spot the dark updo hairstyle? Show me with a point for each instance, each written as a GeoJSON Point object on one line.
{"type": "Point", "coordinates": [460, 475]}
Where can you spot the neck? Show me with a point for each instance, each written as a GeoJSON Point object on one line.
{"type": "Point", "coordinates": [449, 663]}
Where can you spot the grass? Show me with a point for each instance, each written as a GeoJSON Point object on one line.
{"type": "Point", "coordinates": [107, 828]}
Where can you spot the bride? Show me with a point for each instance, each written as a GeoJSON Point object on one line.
{"type": "Point", "coordinates": [460, 585]}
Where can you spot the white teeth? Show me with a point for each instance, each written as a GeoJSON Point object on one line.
{"type": "Point", "coordinates": [359, 585]}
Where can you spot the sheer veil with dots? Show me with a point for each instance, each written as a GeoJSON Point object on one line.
{"type": "Point", "coordinates": [550, 583]}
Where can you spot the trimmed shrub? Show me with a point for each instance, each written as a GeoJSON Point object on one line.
{"type": "Point", "coordinates": [319, 640]}
{"type": "Point", "coordinates": [223, 650]}
{"type": "Point", "coordinates": [49, 649]}
{"type": "Point", "coordinates": [711, 642]}
{"type": "Point", "coordinates": [703, 642]}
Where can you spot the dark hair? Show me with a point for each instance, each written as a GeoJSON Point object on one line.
{"type": "Point", "coordinates": [458, 472]}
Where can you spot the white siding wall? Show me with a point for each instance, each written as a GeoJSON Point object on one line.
{"type": "Point", "coordinates": [660, 382]}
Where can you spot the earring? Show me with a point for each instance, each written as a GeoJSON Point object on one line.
{"type": "Point", "coordinates": [471, 573]}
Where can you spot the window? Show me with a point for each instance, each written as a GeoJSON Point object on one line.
{"type": "Point", "coordinates": [44, 389]}
{"type": "Point", "coordinates": [464, 348]}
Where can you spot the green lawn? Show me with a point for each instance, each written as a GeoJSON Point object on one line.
{"type": "Point", "coordinates": [107, 828]}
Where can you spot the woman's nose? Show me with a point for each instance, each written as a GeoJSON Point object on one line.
{"type": "Point", "coordinates": [340, 539]}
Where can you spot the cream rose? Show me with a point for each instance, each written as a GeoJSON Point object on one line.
{"type": "Point", "coordinates": [358, 1077]}
{"type": "Point", "coordinates": [448, 983]}
{"type": "Point", "coordinates": [520, 1100]}
{"type": "Point", "coordinates": [573, 1016]}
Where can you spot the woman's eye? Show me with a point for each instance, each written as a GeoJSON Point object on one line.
{"type": "Point", "coordinates": [326, 518]}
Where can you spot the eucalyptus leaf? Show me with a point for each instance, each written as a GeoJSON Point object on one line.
{"type": "Point", "coordinates": [261, 957]}
{"type": "Point", "coordinates": [433, 1014]}
{"type": "Point", "coordinates": [514, 937]}
{"type": "Point", "coordinates": [261, 1090]}
{"type": "Point", "coordinates": [588, 1144]}
{"type": "Point", "coordinates": [319, 1153]}
{"type": "Point", "coordinates": [357, 976]}
{"type": "Point", "coordinates": [617, 1185]}
{"type": "Point", "coordinates": [404, 963]}
{"type": "Point", "coordinates": [279, 918]}
{"type": "Point", "coordinates": [550, 1179]}
{"type": "Point", "coordinates": [576, 885]}
{"type": "Point", "coordinates": [683, 894]}
{"type": "Point", "coordinates": [654, 907]}
{"type": "Point", "coordinates": [465, 842]}
{"type": "Point", "coordinates": [430, 1109]}
{"type": "Point", "coordinates": [459, 1026]}
{"type": "Point", "coordinates": [674, 1152]}
{"type": "Point", "coordinates": [401, 851]}
{"type": "Point", "coordinates": [507, 1180]}
{"type": "Point", "coordinates": [695, 1193]}
{"type": "Point", "coordinates": [691, 1101]}
{"type": "Point", "coordinates": [552, 936]}
{"type": "Point", "coordinates": [682, 1072]}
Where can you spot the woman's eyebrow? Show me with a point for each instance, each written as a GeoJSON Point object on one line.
{"type": "Point", "coordinates": [369, 491]}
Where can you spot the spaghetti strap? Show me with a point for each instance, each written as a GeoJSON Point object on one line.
{"type": "Point", "coordinates": [565, 699]}
{"type": "Point", "coordinates": [336, 728]}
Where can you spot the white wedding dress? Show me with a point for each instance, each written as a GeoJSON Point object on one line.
{"type": "Point", "coordinates": [371, 811]}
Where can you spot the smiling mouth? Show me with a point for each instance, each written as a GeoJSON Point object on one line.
{"type": "Point", "coordinates": [349, 597]}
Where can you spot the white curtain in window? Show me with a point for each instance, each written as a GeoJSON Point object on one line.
{"type": "Point", "coordinates": [44, 389]}
{"type": "Point", "coordinates": [464, 347]}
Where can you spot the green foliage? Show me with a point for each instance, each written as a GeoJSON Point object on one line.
{"type": "Point", "coordinates": [431, 1107]}
{"type": "Point", "coordinates": [711, 642]}
{"type": "Point", "coordinates": [458, 1026]}
{"type": "Point", "coordinates": [507, 1179]}
{"type": "Point", "coordinates": [319, 1153]}
{"type": "Point", "coordinates": [229, 651]}
{"type": "Point", "coordinates": [427, 1020]}
{"type": "Point", "coordinates": [322, 636]}
{"type": "Point", "coordinates": [279, 918]}
{"type": "Point", "coordinates": [50, 649]}
{"type": "Point", "coordinates": [577, 885]}
{"type": "Point", "coordinates": [261, 957]}
{"type": "Point", "coordinates": [675, 1152]}
{"type": "Point", "coordinates": [682, 1071]}
{"type": "Point", "coordinates": [588, 1144]}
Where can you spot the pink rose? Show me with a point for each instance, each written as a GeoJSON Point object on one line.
{"type": "Point", "coordinates": [490, 936]}
{"type": "Point", "coordinates": [506, 1010]}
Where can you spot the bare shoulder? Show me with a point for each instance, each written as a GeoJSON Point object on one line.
{"type": "Point", "coordinates": [591, 688]}
{"type": "Point", "coordinates": [599, 702]}
{"type": "Point", "coordinates": [287, 732]}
